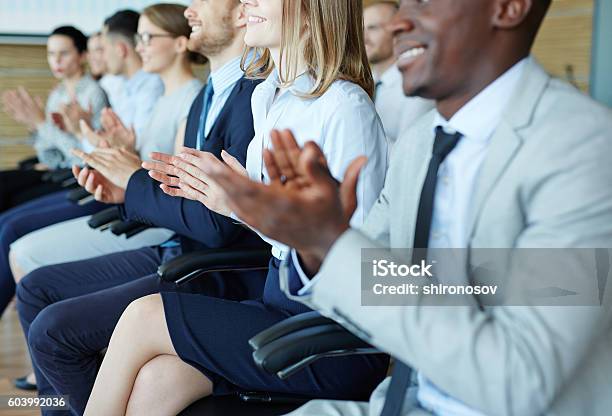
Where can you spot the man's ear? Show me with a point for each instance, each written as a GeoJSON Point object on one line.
{"type": "Point", "coordinates": [123, 47]}
{"type": "Point", "coordinates": [180, 44]}
{"type": "Point", "coordinates": [240, 17]}
{"type": "Point", "coordinates": [509, 14]}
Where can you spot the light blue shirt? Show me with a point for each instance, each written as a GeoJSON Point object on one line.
{"type": "Point", "coordinates": [457, 179]}
{"type": "Point", "coordinates": [343, 122]}
{"type": "Point", "coordinates": [223, 81]}
{"type": "Point", "coordinates": [136, 99]}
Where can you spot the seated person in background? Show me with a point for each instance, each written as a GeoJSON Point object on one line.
{"type": "Point", "coordinates": [111, 84]}
{"type": "Point", "coordinates": [196, 345]}
{"type": "Point", "coordinates": [511, 158]}
{"type": "Point", "coordinates": [163, 37]}
{"type": "Point", "coordinates": [136, 103]}
{"type": "Point", "coordinates": [396, 111]}
{"type": "Point", "coordinates": [95, 57]}
{"type": "Point", "coordinates": [54, 133]}
{"type": "Point", "coordinates": [102, 287]}
{"type": "Point", "coordinates": [140, 90]}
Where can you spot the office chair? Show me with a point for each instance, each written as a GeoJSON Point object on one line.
{"type": "Point", "coordinates": [282, 349]}
{"type": "Point", "coordinates": [110, 219]}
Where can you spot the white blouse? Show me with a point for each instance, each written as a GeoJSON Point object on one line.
{"type": "Point", "coordinates": [343, 122]}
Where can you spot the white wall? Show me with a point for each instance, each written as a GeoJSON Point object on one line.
{"type": "Point", "coordinates": [39, 17]}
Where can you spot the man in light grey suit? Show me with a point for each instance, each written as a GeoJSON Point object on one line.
{"type": "Point", "coordinates": [519, 160]}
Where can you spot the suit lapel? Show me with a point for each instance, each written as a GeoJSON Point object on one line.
{"type": "Point", "coordinates": [506, 140]}
{"type": "Point", "coordinates": [503, 147]}
{"type": "Point", "coordinates": [226, 108]}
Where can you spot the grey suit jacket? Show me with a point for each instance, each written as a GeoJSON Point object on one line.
{"type": "Point", "coordinates": [546, 182]}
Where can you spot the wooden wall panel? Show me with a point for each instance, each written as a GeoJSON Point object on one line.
{"type": "Point", "coordinates": [565, 40]}
{"type": "Point", "coordinates": [27, 66]}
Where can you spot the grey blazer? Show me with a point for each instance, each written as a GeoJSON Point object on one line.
{"type": "Point", "coordinates": [546, 182]}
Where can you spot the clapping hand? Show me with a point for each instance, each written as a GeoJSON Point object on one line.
{"type": "Point", "coordinates": [303, 206]}
{"type": "Point", "coordinates": [23, 108]}
{"type": "Point", "coordinates": [114, 134]}
{"type": "Point", "coordinates": [98, 185]}
{"type": "Point", "coordinates": [183, 176]}
{"type": "Point", "coordinates": [116, 165]}
{"type": "Point", "coordinates": [71, 116]}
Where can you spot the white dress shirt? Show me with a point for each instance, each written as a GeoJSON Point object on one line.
{"type": "Point", "coordinates": [397, 111]}
{"type": "Point", "coordinates": [343, 122]}
{"type": "Point", "coordinates": [223, 81]}
{"type": "Point", "coordinates": [457, 179]}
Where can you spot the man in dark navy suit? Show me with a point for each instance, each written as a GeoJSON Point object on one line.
{"type": "Point", "coordinates": [69, 311]}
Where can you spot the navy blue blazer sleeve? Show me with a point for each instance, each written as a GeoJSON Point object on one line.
{"type": "Point", "coordinates": [148, 204]}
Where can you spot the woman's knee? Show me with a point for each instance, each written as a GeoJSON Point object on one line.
{"type": "Point", "coordinates": [166, 385]}
{"type": "Point", "coordinates": [141, 317]}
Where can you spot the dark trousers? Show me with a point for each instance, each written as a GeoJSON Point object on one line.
{"type": "Point", "coordinates": [69, 311]}
{"type": "Point", "coordinates": [29, 217]}
{"type": "Point", "coordinates": [19, 186]}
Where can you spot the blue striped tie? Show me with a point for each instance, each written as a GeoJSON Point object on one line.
{"type": "Point", "coordinates": [209, 92]}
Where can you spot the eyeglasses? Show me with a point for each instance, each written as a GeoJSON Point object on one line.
{"type": "Point", "coordinates": [145, 37]}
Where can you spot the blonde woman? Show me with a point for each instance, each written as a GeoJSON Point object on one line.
{"type": "Point", "coordinates": [171, 349]}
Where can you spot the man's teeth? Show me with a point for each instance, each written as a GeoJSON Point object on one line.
{"type": "Point", "coordinates": [195, 29]}
{"type": "Point", "coordinates": [411, 53]}
{"type": "Point", "coordinates": [255, 19]}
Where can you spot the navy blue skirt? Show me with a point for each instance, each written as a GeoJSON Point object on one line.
{"type": "Point", "coordinates": [212, 334]}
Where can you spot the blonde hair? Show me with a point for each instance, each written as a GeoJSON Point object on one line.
{"type": "Point", "coordinates": [330, 40]}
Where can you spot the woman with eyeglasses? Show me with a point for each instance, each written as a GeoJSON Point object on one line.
{"type": "Point", "coordinates": [161, 42]}
{"type": "Point", "coordinates": [171, 349]}
{"type": "Point", "coordinates": [162, 38]}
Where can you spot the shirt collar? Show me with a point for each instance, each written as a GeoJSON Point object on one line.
{"type": "Point", "coordinates": [132, 83]}
{"type": "Point", "coordinates": [226, 76]}
{"type": "Point", "coordinates": [480, 116]}
{"type": "Point", "coordinates": [302, 84]}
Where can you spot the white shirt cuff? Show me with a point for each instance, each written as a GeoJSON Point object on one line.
{"type": "Point", "coordinates": [308, 283]}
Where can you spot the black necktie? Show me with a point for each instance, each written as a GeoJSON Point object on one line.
{"type": "Point", "coordinates": [443, 145]}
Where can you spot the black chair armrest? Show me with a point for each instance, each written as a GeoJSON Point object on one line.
{"type": "Point", "coordinates": [28, 164]}
{"type": "Point", "coordinates": [190, 266]}
{"type": "Point", "coordinates": [290, 353]}
{"type": "Point", "coordinates": [104, 218]}
{"type": "Point", "coordinates": [289, 325]}
{"type": "Point", "coordinates": [77, 195]}
{"type": "Point", "coordinates": [58, 175]}
{"type": "Point", "coordinates": [129, 228]}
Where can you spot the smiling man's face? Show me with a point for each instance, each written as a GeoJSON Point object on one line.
{"type": "Point", "coordinates": [212, 25]}
{"type": "Point", "coordinates": [439, 44]}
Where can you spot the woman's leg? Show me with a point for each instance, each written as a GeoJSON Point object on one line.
{"type": "Point", "coordinates": [165, 386]}
{"type": "Point", "coordinates": [140, 335]}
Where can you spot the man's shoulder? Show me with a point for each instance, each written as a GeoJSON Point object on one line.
{"type": "Point", "coordinates": [545, 107]}
{"type": "Point", "coordinates": [566, 120]}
